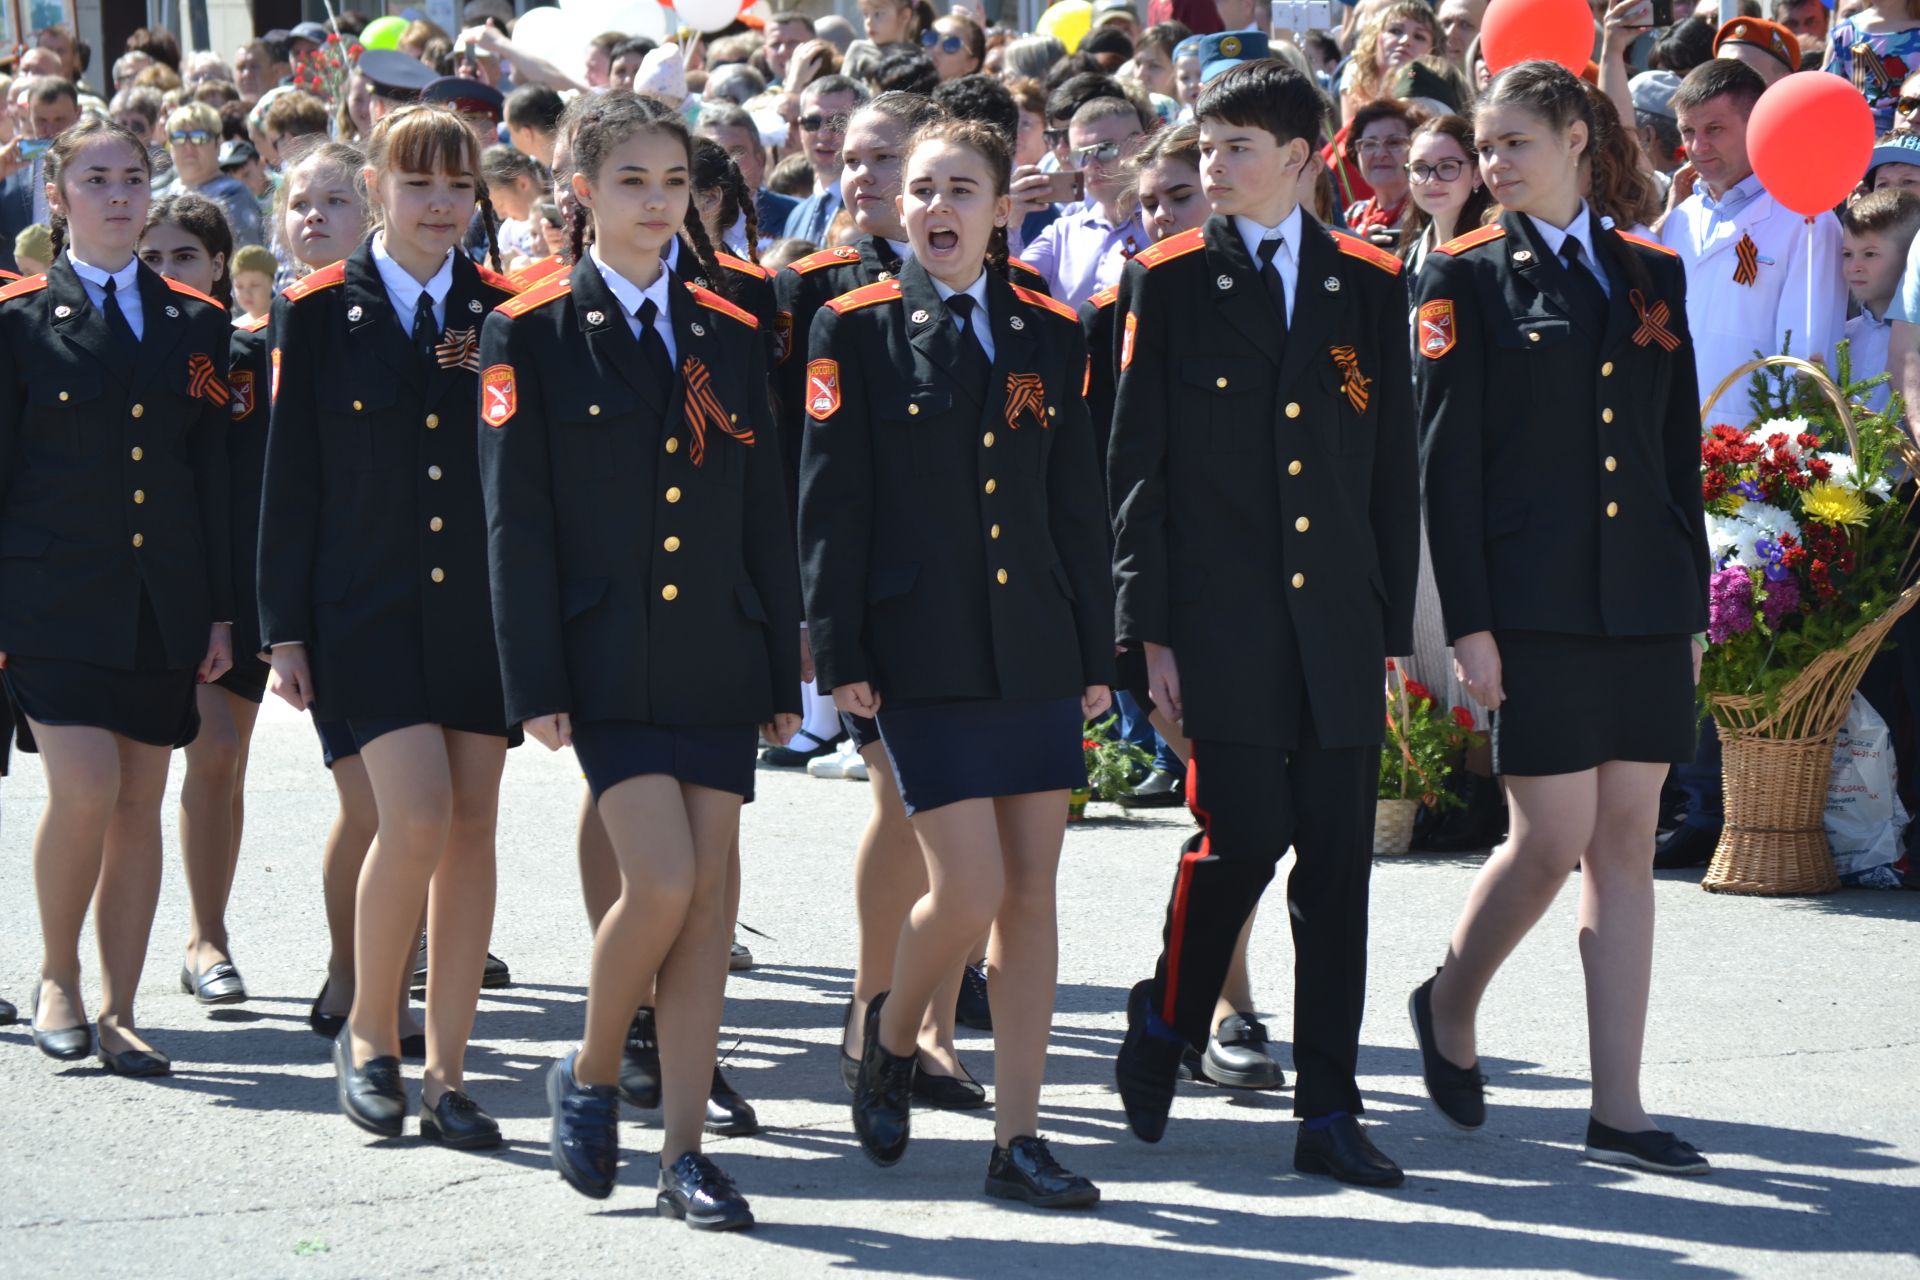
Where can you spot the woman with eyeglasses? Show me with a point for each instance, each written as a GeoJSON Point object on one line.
{"type": "Point", "coordinates": [1377, 144]}
{"type": "Point", "coordinates": [1444, 187]}
{"type": "Point", "coordinates": [193, 140]}
{"type": "Point", "coordinates": [957, 45]}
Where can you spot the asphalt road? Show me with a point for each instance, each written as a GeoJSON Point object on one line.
{"type": "Point", "coordinates": [1784, 1042]}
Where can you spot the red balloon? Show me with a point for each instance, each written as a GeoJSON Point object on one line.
{"type": "Point", "coordinates": [1809, 139]}
{"type": "Point", "coordinates": [1552, 30]}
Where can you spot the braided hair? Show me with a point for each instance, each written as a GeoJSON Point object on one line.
{"type": "Point", "coordinates": [715, 171]}
{"type": "Point", "coordinates": [206, 222]}
{"type": "Point", "coordinates": [617, 116]}
{"type": "Point", "coordinates": [68, 145]}
{"type": "Point", "coordinates": [429, 138]}
{"type": "Point", "coordinates": [992, 146]}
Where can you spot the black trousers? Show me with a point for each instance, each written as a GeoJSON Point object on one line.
{"type": "Point", "coordinates": [1253, 803]}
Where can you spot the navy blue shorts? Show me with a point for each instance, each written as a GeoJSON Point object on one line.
{"type": "Point", "coordinates": [248, 679]}
{"type": "Point", "coordinates": [336, 741]}
{"type": "Point", "coordinates": [864, 731]}
{"type": "Point", "coordinates": [944, 752]}
{"type": "Point", "coordinates": [722, 757]}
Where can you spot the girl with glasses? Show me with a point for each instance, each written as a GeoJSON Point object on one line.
{"type": "Point", "coordinates": [1444, 186]}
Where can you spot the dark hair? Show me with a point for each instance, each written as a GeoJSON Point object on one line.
{"type": "Point", "coordinates": [233, 121]}
{"type": "Point", "coordinates": [903, 69]}
{"type": "Point", "coordinates": [791, 176]}
{"type": "Point", "coordinates": [534, 106]}
{"type": "Point", "coordinates": [1720, 78]}
{"type": "Point", "coordinates": [1549, 91]}
{"type": "Point", "coordinates": [1685, 46]}
{"type": "Point", "coordinates": [636, 44]}
{"type": "Point", "coordinates": [1264, 93]}
{"type": "Point", "coordinates": [972, 34]}
{"type": "Point", "coordinates": [426, 137]}
{"type": "Point", "coordinates": [206, 222]}
{"type": "Point", "coordinates": [714, 170]}
{"type": "Point", "coordinates": [60, 154]}
{"type": "Point", "coordinates": [50, 89]}
{"type": "Point", "coordinates": [990, 145]}
{"type": "Point", "coordinates": [911, 111]}
{"type": "Point", "coordinates": [1077, 91]}
{"type": "Point", "coordinates": [1619, 186]}
{"type": "Point", "coordinates": [980, 97]}
{"type": "Point", "coordinates": [1372, 113]}
{"type": "Point", "coordinates": [500, 165]}
{"type": "Point", "coordinates": [1077, 63]}
{"type": "Point", "coordinates": [607, 41]}
{"type": "Point", "coordinates": [1473, 210]}
{"type": "Point", "coordinates": [1162, 36]}
{"type": "Point", "coordinates": [1887, 209]}
{"type": "Point", "coordinates": [615, 116]}
{"type": "Point", "coordinates": [828, 86]}
{"type": "Point", "coordinates": [157, 43]}
{"type": "Point", "coordinates": [1108, 39]}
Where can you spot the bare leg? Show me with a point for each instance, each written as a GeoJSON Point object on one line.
{"type": "Point", "coordinates": [1024, 960]}
{"type": "Point", "coordinates": [1553, 823]}
{"type": "Point", "coordinates": [354, 828]}
{"type": "Point", "coordinates": [129, 889]}
{"type": "Point", "coordinates": [212, 810]}
{"type": "Point", "coordinates": [460, 909]}
{"type": "Point", "coordinates": [1616, 937]}
{"type": "Point", "coordinates": [692, 979]}
{"type": "Point", "coordinates": [965, 887]}
{"type": "Point", "coordinates": [599, 870]}
{"type": "Point", "coordinates": [83, 780]}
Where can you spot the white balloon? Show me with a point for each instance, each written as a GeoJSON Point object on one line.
{"type": "Point", "coordinates": [707, 15]}
{"type": "Point", "coordinates": [561, 37]}
{"type": "Point", "coordinates": [630, 17]}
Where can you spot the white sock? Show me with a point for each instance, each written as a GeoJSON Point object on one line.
{"type": "Point", "coordinates": [822, 722]}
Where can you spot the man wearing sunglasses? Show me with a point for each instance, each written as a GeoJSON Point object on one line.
{"type": "Point", "coordinates": [824, 107]}
{"type": "Point", "coordinates": [1083, 251]}
{"type": "Point", "coordinates": [193, 140]}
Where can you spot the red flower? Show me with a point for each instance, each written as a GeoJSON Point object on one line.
{"type": "Point", "coordinates": [1391, 666]}
{"type": "Point", "coordinates": [1463, 717]}
{"type": "Point", "coordinates": [333, 37]}
{"type": "Point", "coordinates": [1417, 690]}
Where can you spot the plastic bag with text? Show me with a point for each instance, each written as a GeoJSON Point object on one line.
{"type": "Point", "coordinates": [1864, 818]}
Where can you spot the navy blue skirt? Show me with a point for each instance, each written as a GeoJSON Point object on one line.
{"type": "Point", "coordinates": [336, 741]}
{"type": "Point", "coordinates": [943, 752]}
{"type": "Point", "coordinates": [722, 757]}
{"type": "Point", "coordinates": [1576, 702]}
{"type": "Point", "coordinates": [248, 679]}
{"type": "Point", "coordinates": [150, 703]}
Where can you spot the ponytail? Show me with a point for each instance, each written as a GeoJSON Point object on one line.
{"type": "Point", "coordinates": [491, 222]}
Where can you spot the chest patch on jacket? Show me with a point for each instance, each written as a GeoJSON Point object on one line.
{"type": "Point", "coordinates": [241, 381]}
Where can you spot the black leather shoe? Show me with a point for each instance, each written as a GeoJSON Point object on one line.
{"type": "Point", "coordinates": [8, 1014]}
{"type": "Point", "coordinates": [65, 1044]}
{"type": "Point", "coordinates": [1458, 1092]}
{"type": "Point", "coordinates": [1161, 790]}
{"type": "Point", "coordinates": [883, 1096]}
{"type": "Point", "coordinates": [972, 1009]}
{"type": "Point", "coordinates": [136, 1064]}
{"type": "Point", "coordinates": [1238, 1057]}
{"type": "Point", "coordinates": [1655, 1150]}
{"type": "Point", "coordinates": [728, 1114]}
{"type": "Point", "coordinates": [1026, 1170]}
{"type": "Point", "coordinates": [1688, 845]}
{"type": "Point", "coordinates": [1343, 1151]}
{"type": "Point", "coordinates": [849, 1065]}
{"type": "Point", "coordinates": [324, 1024]}
{"type": "Point", "coordinates": [372, 1096]}
{"type": "Point", "coordinates": [801, 751]}
{"type": "Point", "coordinates": [640, 1063]}
{"type": "Point", "coordinates": [457, 1121]}
{"type": "Point", "coordinates": [1147, 1069]}
{"type": "Point", "coordinates": [695, 1191]}
{"type": "Point", "coordinates": [494, 976]}
{"type": "Point", "coordinates": [414, 1047]}
{"type": "Point", "coordinates": [218, 984]}
{"type": "Point", "coordinates": [585, 1146]}
{"type": "Point", "coordinates": [947, 1093]}
{"type": "Point", "coordinates": [1192, 1065]}
{"type": "Point", "coordinates": [739, 957]}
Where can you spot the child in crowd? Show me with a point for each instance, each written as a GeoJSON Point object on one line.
{"type": "Point", "coordinates": [254, 268]}
{"type": "Point", "coordinates": [33, 250]}
{"type": "Point", "coordinates": [1895, 164]}
{"type": "Point", "coordinates": [1877, 230]}
{"type": "Point", "coordinates": [515, 181]}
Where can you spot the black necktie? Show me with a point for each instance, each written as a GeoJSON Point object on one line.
{"type": "Point", "coordinates": [1584, 285]}
{"type": "Point", "coordinates": [426, 334]}
{"type": "Point", "coordinates": [117, 322]}
{"type": "Point", "coordinates": [653, 348]}
{"type": "Point", "coordinates": [1270, 276]}
{"type": "Point", "coordinates": [975, 369]}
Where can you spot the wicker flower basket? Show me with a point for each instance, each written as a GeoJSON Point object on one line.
{"type": "Point", "coordinates": [1393, 825]}
{"type": "Point", "coordinates": [1775, 761]}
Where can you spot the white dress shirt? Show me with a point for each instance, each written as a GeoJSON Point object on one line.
{"type": "Point", "coordinates": [979, 323]}
{"type": "Point", "coordinates": [1286, 259]}
{"type": "Point", "coordinates": [126, 288]}
{"type": "Point", "coordinates": [630, 295]}
{"type": "Point", "coordinates": [403, 291]}
{"type": "Point", "coordinates": [1581, 229]}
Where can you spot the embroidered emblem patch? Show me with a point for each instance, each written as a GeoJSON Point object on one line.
{"type": "Point", "coordinates": [823, 389]}
{"type": "Point", "coordinates": [782, 337]}
{"type": "Point", "coordinates": [1436, 328]}
{"type": "Point", "coordinates": [499, 397]}
{"type": "Point", "coordinates": [242, 382]}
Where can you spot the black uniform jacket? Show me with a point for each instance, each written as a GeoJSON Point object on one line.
{"type": "Point", "coordinates": [641, 549]}
{"type": "Point", "coordinates": [1265, 491]}
{"type": "Point", "coordinates": [373, 548]}
{"type": "Point", "coordinates": [1562, 464]}
{"type": "Point", "coordinates": [113, 480]}
{"type": "Point", "coordinates": [953, 543]}
{"type": "Point", "coordinates": [248, 377]}
{"type": "Point", "coordinates": [1099, 321]}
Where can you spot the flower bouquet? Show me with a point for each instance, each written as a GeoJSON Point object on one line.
{"type": "Point", "coordinates": [1423, 741]}
{"type": "Point", "coordinates": [323, 72]}
{"type": "Point", "coordinates": [1112, 761]}
{"type": "Point", "coordinates": [1811, 566]}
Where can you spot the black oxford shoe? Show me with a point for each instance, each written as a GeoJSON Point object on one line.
{"type": "Point", "coordinates": [695, 1190]}
{"type": "Point", "coordinates": [883, 1098]}
{"type": "Point", "coordinates": [1238, 1055]}
{"type": "Point", "coordinates": [947, 1093]}
{"type": "Point", "coordinates": [1025, 1170]}
{"type": "Point", "coordinates": [494, 976]}
{"type": "Point", "coordinates": [1343, 1152]}
{"type": "Point", "coordinates": [1459, 1093]}
{"type": "Point", "coordinates": [728, 1114]}
{"type": "Point", "coordinates": [372, 1095]}
{"type": "Point", "coordinates": [640, 1063]}
{"type": "Point", "coordinates": [849, 1065]}
{"type": "Point", "coordinates": [325, 1025]}
{"type": "Point", "coordinates": [1147, 1069]}
{"type": "Point", "coordinates": [972, 1009]}
{"type": "Point", "coordinates": [457, 1121]}
{"type": "Point", "coordinates": [8, 1014]}
{"type": "Point", "coordinates": [217, 984]}
{"type": "Point", "coordinates": [585, 1146]}
{"type": "Point", "coordinates": [1161, 790]}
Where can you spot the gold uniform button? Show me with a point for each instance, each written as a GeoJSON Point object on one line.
{"type": "Point", "coordinates": [1299, 580]}
{"type": "Point", "coordinates": [1613, 464]}
{"type": "Point", "coordinates": [733, 417]}
{"type": "Point", "coordinates": [138, 453]}
{"type": "Point", "coordinates": [1533, 337]}
{"type": "Point", "coordinates": [673, 494]}
{"type": "Point", "coordinates": [139, 539]}
{"type": "Point", "coordinates": [436, 524]}
{"type": "Point", "coordinates": [433, 473]}
{"type": "Point", "coordinates": [1053, 411]}
{"type": "Point", "coordinates": [1606, 415]}
{"type": "Point", "coordinates": [1220, 383]}
{"type": "Point", "coordinates": [356, 406]}
{"type": "Point", "coordinates": [991, 486]}
{"type": "Point", "coordinates": [139, 410]}
{"type": "Point", "coordinates": [672, 543]}
{"type": "Point", "coordinates": [669, 592]}
{"type": "Point", "coordinates": [994, 532]}
{"type": "Point", "coordinates": [439, 575]}
{"type": "Point", "coordinates": [1293, 468]}
{"type": "Point", "coordinates": [139, 496]}
{"type": "Point", "coordinates": [1302, 525]}
{"type": "Point", "coordinates": [987, 440]}
{"type": "Point", "coordinates": [1001, 577]}
{"type": "Point", "coordinates": [593, 411]}
{"type": "Point", "coordinates": [433, 421]}
{"type": "Point", "coordinates": [1613, 509]}
{"type": "Point", "coordinates": [673, 444]}
{"type": "Point", "coordinates": [1293, 409]}
{"type": "Point", "coordinates": [913, 411]}
{"type": "Point", "coordinates": [63, 395]}
{"type": "Point", "coordinates": [1606, 370]}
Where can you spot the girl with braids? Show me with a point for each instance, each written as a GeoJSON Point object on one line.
{"type": "Point", "coordinates": [954, 553]}
{"type": "Point", "coordinates": [374, 600]}
{"type": "Point", "coordinates": [116, 582]}
{"type": "Point", "coordinates": [889, 873]}
{"type": "Point", "coordinates": [187, 239]}
{"type": "Point", "coordinates": [724, 201]}
{"type": "Point", "coordinates": [656, 666]}
{"type": "Point", "coordinates": [1570, 621]}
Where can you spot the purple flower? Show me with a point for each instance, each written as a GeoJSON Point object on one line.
{"type": "Point", "coordinates": [1749, 490]}
{"type": "Point", "coordinates": [1783, 599]}
{"type": "Point", "coordinates": [1729, 604]}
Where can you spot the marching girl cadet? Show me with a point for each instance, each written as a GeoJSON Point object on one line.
{"type": "Point", "coordinates": [115, 579]}
{"type": "Point", "coordinates": [374, 599]}
{"type": "Point", "coordinates": [187, 239]}
{"type": "Point", "coordinates": [889, 873]}
{"type": "Point", "coordinates": [954, 553]}
{"type": "Point", "coordinates": [1572, 573]}
{"type": "Point", "coordinates": [651, 635]}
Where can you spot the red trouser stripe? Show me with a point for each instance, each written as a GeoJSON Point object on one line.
{"type": "Point", "coordinates": [1177, 930]}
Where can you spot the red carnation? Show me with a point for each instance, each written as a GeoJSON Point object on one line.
{"type": "Point", "coordinates": [1417, 690]}
{"type": "Point", "coordinates": [1463, 717]}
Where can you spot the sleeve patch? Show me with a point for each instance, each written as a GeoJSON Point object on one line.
{"type": "Point", "coordinates": [273, 382]}
{"type": "Point", "coordinates": [1437, 334]}
{"type": "Point", "coordinates": [823, 389]}
{"type": "Point", "coordinates": [499, 396]}
{"type": "Point", "coordinates": [1126, 341]}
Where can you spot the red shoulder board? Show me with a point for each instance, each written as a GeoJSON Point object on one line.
{"type": "Point", "coordinates": [191, 292]}
{"type": "Point", "coordinates": [1170, 248]}
{"type": "Point", "coordinates": [1105, 298]}
{"type": "Point", "coordinates": [20, 288]}
{"type": "Point", "coordinates": [536, 273]}
{"type": "Point", "coordinates": [884, 291]}
{"type": "Point", "coordinates": [494, 278]}
{"type": "Point", "coordinates": [1045, 303]}
{"type": "Point", "coordinates": [741, 265]}
{"type": "Point", "coordinates": [1354, 247]}
{"type": "Point", "coordinates": [324, 278]}
{"type": "Point", "coordinates": [1645, 243]}
{"type": "Point", "coordinates": [1460, 244]}
{"type": "Point", "coordinates": [256, 324]}
{"type": "Point", "coordinates": [541, 294]}
{"type": "Point", "coordinates": [826, 258]}
{"type": "Point", "coordinates": [8, 277]}
{"type": "Point", "coordinates": [714, 302]}
{"type": "Point", "coordinates": [1032, 272]}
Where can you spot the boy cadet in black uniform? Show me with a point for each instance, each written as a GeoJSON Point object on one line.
{"type": "Point", "coordinates": [1266, 510]}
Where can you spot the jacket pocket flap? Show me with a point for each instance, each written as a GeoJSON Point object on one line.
{"type": "Point", "coordinates": [1534, 332]}
{"type": "Point", "coordinates": [577, 595]}
{"type": "Point", "coordinates": [890, 581]}
{"type": "Point", "coordinates": [1222, 377]}
{"type": "Point", "coordinates": [924, 399]}
{"type": "Point", "coordinates": [750, 601]}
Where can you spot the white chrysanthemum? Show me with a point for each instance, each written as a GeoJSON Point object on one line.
{"type": "Point", "coordinates": [1725, 534]}
{"type": "Point", "coordinates": [1770, 520]}
{"type": "Point", "coordinates": [1789, 427]}
{"type": "Point", "coordinates": [1845, 473]}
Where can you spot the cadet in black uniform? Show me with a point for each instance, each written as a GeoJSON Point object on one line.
{"type": "Point", "coordinates": [654, 635]}
{"type": "Point", "coordinates": [1262, 472]}
{"type": "Point", "coordinates": [374, 599]}
{"type": "Point", "coordinates": [187, 239]}
{"type": "Point", "coordinates": [1572, 566]}
{"type": "Point", "coordinates": [115, 577]}
{"type": "Point", "coordinates": [954, 556]}
{"type": "Point", "coordinates": [889, 873]}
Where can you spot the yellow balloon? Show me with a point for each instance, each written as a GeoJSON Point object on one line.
{"type": "Point", "coordinates": [1068, 22]}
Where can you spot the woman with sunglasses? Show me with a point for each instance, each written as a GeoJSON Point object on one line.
{"type": "Point", "coordinates": [957, 45]}
{"type": "Point", "coordinates": [193, 140]}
